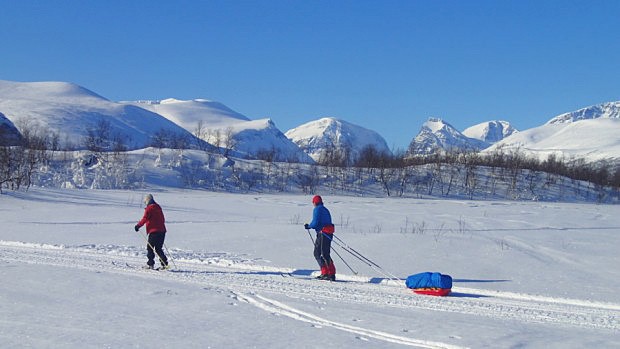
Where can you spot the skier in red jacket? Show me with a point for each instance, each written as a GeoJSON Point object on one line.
{"type": "Point", "coordinates": [156, 231]}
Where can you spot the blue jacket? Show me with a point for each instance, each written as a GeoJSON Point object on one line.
{"type": "Point", "coordinates": [320, 218]}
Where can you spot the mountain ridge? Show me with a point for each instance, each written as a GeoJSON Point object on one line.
{"type": "Point", "coordinates": [437, 135]}
{"type": "Point", "coordinates": [72, 112]}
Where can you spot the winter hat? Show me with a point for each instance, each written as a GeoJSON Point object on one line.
{"type": "Point", "coordinates": [317, 200]}
{"type": "Point", "coordinates": [148, 198]}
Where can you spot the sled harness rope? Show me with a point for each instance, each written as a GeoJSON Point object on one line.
{"type": "Point", "coordinates": [336, 252]}
{"type": "Point", "coordinates": [364, 259]}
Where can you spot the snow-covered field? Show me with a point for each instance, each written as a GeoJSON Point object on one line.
{"type": "Point", "coordinates": [526, 274]}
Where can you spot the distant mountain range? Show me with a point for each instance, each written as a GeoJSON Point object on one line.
{"type": "Point", "coordinates": [73, 112]}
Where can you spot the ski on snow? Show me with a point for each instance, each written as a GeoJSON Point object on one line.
{"type": "Point", "coordinates": [306, 277]}
{"type": "Point", "coordinates": [145, 268]}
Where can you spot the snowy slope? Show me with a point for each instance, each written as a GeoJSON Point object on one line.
{"type": "Point", "coordinates": [526, 274]}
{"type": "Point", "coordinates": [260, 138]}
{"type": "Point", "coordinates": [437, 135]}
{"type": "Point", "coordinates": [71, 111]}
{"type": "Point", "coordinates": [589, 133]}
{"type": "Point", "coordinates": [609, 110]}
{"type": "Point", "coordinates": [334, 134]}
{"type": "Point", "coordinates": [491, 131]}
{"type": "Point", "coordinates": [589, 139]}
{"type": "Point", "coordinates": [188, 114]}
{"type": "Point", "coordinates": [226, 128]}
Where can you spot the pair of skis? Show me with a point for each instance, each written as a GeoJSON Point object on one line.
{"type": "Point", "coordinates": [145, 267]}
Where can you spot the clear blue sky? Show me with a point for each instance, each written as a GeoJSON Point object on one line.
{"type": "Point", "coordinates": [385, 65]}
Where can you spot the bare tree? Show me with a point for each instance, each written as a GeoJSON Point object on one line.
{"type": "Point", "coordinates": [230, 141]}
{"type": "Point", "coordinates": [19, 163]}
{"type": "Point", "coordinates": [98, 136]}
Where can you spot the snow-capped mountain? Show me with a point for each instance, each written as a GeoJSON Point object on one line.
{"type": "Point", "coordinates": [491, 131]}
{"type": "Point", "coordinates": [437, 135]}
{"type": "Point", "coordinates": [223, 127]}
{"type": "Point", "coordinates": [262, 139]}
{"type": "Point", "coordinates": [592, 140]}
{"type": "Point", "coordinates": [72, 111]}
{"type": "Point", "coordinates": [9, 135]}
{"type": "Point", "coordinates": [609, 110]}
{"type": "Point", "coordinates": [329, 133]}
{"type": "Point", "coordinates": [589, 133]}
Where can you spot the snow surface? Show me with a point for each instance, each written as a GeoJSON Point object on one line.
{"type": "Point", "coordinates": [591, 139]}
{"type": "Point", "coordinates": [526, 274]}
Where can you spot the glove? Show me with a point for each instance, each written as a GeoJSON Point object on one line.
{"type": "Point", "coordinates": [137, 227]}
{"type": "Point", "coordinates": [306, 226]}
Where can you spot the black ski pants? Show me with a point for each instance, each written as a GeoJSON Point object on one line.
{"type": "Point", "coordinates": [157, 241]}
{"type": "Point", "coordinates": [322, 249]}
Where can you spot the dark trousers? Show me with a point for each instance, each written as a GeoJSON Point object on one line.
{"type": "Point", "coordinates": [322, 249]}
{"type": "Point", "coordinates": [157, 241]}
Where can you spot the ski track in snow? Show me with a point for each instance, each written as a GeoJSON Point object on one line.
{"type": "Point", "coordinates": [282, 309]}
{"type": "Point", "coordinates": [250, 282]}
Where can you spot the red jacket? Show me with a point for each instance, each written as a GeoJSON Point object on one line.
{"type": "Point", "coordinates": [154, 219]}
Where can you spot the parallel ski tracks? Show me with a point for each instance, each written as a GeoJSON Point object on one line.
{"type": "Point", "coordinates": [253, 284]}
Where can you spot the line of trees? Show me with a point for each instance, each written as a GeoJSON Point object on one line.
{"type": "Point", "coordinates": [456, 175]}
{"type": "Point", "coordinates": [452, 173]}
{"type": "Point", "coordinates": [601, 173]}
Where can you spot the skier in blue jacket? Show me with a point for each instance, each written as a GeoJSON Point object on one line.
{"type": "Point", "coordinates": [322, 224]}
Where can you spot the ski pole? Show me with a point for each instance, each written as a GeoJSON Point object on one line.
{"type": "Point", "coordinates": [153, 249]}
{"type": "Point", "coordinates": [343, 261]}
{"type": "Point", "coordinates": [170, 259]}
{"type": "Point", "coordinates": [359, 254]}
{"type": "Point", "coordinates": [336, 252]}
{"type": "Point", "coordinates": [368, 262]}
{"type": "Point", "coordinates": [310, 235]}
